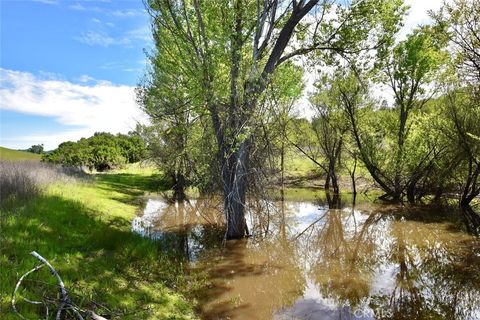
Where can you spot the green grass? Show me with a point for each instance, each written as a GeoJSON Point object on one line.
{"type": "Point", "coordinates": [83, 229]}
{"type": "Point", "coordinates": [297, 165]}
{"type": "Point", "coordinates": [301, 172]}
{"type": "Point", "coordinates": [15, 155]}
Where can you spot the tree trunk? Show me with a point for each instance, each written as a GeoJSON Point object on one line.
{"type": "Point", "coordinates": [327, 181]}
{"type": "Point", "coordinates": [411, 193]}
{"type": "Point", "coordinates": [336, 188]}
{"type": "Point", "coordinates": [235, 166]}
{"type": "Point", "coordinates": [438, 193]}
{"type": "Point", "coordinates": [179, 187]}
{"type": "Point", "coordinates": [282, 163]}
{"type": "Point", "coordinates": [352, 176]}
{"type": "Point", "coordinates": [471, 189]}
{"type": "Point", "coordinates": [472, 219]}
{"type": "Point", "coordinates": [235, 189]}
{"type": "Point", "coordinates": [371, 167]}
{"type": "Point", "coordinates": [283, 224]}
{"type": "Point", "coordinates": [334, 201]}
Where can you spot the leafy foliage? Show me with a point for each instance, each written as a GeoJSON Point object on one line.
{"type": "Point", "coordinates": [102, 151]}
{"type": "Point", "coordinates": [37, 148]}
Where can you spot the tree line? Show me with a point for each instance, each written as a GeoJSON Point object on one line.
{"type": "Point", "coordinates": [102, 151]}
{"type": "Point", "coordinates": [225, 76]}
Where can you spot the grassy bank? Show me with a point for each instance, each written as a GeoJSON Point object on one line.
{"type": "Point", "coordinates": [83, 228]}
{"type": "Point", "coordinates": [15, 155]}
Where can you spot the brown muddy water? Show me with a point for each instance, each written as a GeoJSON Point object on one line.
{"type": "Point", "coordinates": [306, 261]}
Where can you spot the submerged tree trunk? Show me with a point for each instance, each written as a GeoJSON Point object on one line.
{"type": "Point", "coordinates": [243, 99]}
{"type": "Point", "coordinates": [283, 226]}
{"type": "Point", "coordinates": [333, 175]}
{"type": "Point", "coordinates": [282, 164]}
{"type": "Point", "coordinates": [438, 193]}
{"type": "Point", "coordinates": [352, 172]}
{"type": "Point", "coordinates": [179, 186]}
{"type": "Point", "coordinates": [327, 181]}
{"type": "Point", "coordinates": [333, 201]}
{"type": "Point", "coordinates": [471, 189]}
{"type": "Point", "coordinates": [352, 176]}
{"type": "Point", "coordinates": [472, 220]}
{"type": "Point", "coordinates": [235, 189]}
{"type": "Point", "coordinates": [411, 193]}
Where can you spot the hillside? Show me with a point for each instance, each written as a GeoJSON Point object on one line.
{"type": "Point", "coordinates": [15, 155]}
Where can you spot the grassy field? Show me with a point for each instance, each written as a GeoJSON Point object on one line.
{"type": "Point", "coordinates": [15, 155]}
{"type": "Point", "coordinates": [83, 228]}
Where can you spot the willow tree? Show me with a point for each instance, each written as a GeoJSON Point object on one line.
{"type": "Point", "coordinates": [225, 53]}
{"type": "Point", "coordinates": [322, 141]}
{"type": "Point", "coordinates": [460, 19]}
{"type": "Point", "coordinates": [387, 136]}
{"type": "Point", "coordinates": [410, 72]}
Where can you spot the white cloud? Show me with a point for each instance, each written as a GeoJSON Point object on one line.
{"type": "Point", "coordinates": [104, 39]}
{"type": "Point", "coordinates": [418, 15]}
{"type": "Point", "coordinates": [86, 78]}
{"type": "Point", "coordinates": [93, 38]}
{"type": "Point", "coordinates": [127, 13]}
{"type": "Point", "coordinates": [118, 13]}
{"type": "Point", "coordinates": [79, 7]}
{"type": "Point", "coordinates": [47, 75]}
{"type": "Point", "coordinates": [52, 2]}
{"type": "Point", "coordinates": [141, 33]}
{"type": "Point", "coordinates": [100, 106]}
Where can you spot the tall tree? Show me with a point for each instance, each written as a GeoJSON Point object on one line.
{"type": "Point", "coordinates": [276, 116]}
{"type": "Point", "coordinates": [325, 143]}
{"type": "Point", "coordinates": [461, 21]}
{"type": "Point", "coordinates": [411, 68]}
{"type": "Point", "coordinates": [227, 52]}
{"type": "Point", "coordinates": [384, 137]}
{"type": "Point", "coordinates": [463, 110]}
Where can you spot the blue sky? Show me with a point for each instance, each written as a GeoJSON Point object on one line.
{"type": "Point", "coordinates": [68, 68]}
{"type": "Point", "coordinates": [52, 51]}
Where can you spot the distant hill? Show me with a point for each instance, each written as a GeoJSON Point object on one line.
{"type": "Point", "coordinates": [15, 155]}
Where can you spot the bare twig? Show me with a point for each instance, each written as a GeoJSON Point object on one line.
{"type": "Point", "coordinates": [65, 304]}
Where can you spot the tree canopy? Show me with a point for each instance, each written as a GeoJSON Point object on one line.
{"type": "Point", "coordinates": [102, 151]}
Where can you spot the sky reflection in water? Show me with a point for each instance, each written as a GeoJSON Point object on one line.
{"type": "Point", "coordinates": [306, 261]}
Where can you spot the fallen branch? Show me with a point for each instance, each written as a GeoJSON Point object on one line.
{"type": "Point", "coordinates": [18, 286]}
{"type": "Point", "coordinates": [65, 305]}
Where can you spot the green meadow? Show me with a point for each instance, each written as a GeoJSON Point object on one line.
{"type": "Point", "coordinates": [82, 227]}
{"type": "Point", "coordinates": [15, 155]}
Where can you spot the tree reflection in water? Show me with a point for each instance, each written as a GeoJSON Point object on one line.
{"type": "Point", "coordinates": [318, 261]}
